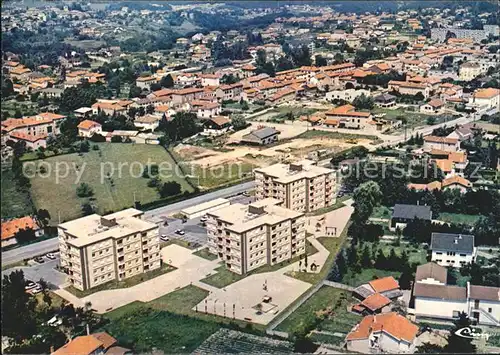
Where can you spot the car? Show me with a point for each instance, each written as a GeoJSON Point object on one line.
{"type": "Point", "coordinates": [164, 238]}
{"type": "Point", "coordinates": [203, 219]}
{"type": "Point", "coordinates": [36, 290]}
{"type": "Point", "coordinates": [39, 260]}
{"type": "Point", "coordinates": [50, 256]}
{"type": "Point", "coordinates": [29, 285]}
{"type": "Point", "coordinates": [246, 193]}
{"type": "Point", "coordinates": [180, 232]}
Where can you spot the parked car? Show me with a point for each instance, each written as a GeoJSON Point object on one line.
{"type": "Point", "coordinates": [50, 256]}
{"type": "Point", "coordinates": [39, 260]}
{"type": "Point", "coordinates": [36, 290]}
{"type": "Point", "coordinates": [203, 219]}
{"type": "Point", "coordinates": [180, 232]}
{"type": "Point", "coordinates": [29, 285]}
{"type": "Point", "coordinates": [164, 238]}
{"type": "Point", "coordinates": [246, 193]}
{"type": "Point", "coordinates": [54, 321]}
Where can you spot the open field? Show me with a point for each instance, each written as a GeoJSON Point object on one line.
{"type": "Point", "coordinates": [26, 108]}
{"type": "Point", "coordinates": [367, 275]}
{"type": "Point", "coordinates": [414, 118]}
{"type": "Point", "coordinates": [110, 192]}
{"type": "Point", "coordinates": [85, 44]}
{"type": "Point", "coordinates": [14, 202]}
{"type": "Point", "coordinates": [324, 298]}
{"type": "Point", "coordinates": [459, 218]}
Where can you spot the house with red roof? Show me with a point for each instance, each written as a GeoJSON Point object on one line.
{"type": "Point", "coordinates": [11, 227]}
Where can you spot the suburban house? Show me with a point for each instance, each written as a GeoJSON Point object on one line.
{"type": "Point", "coordinates": [145, 82]}
{"type": "Point", "coordinates": [385, 100]}
{"type": "Point", "coordinates": [83, 112]}
{"type": "Point", "coordinates": [386, 286]}
{"type": "Point", "coordinates": [452, 249]}
{"type": "Point", "coordinates": [388, 332]}
{"type": "Point", "coordinates": [147, 122]}
{"type": "Point", "coordinates": [456, 182]}
{"type": "Point", "coordinates": [409, 88]}
{"type": "Point", "coordinates": [261, 136]}
{"type": "Point", "coordinates": [210, 80]}
{"type": "Point", "coordinates": [441, 143]}
{"type": "Point", "coordinates": [434, 299]}
{"type": "Point", "coordinates": [489, 98]}
{"type": "Point", "coordinates": [217, 125]}
{"type": "Point", "coordinates": [109, 108]}
{"type": "Point", "coordinates": [32, 142]}
{"type": "Point", "coordinates": [281, 96]}
{"type": "Point", "coordinates": [462, 133]}
{"type": "Point", "coordinates": [348, 117]}
{"type": "Point", "coordinates": [11, 227]}
{"type": "Point", "coordinates": [205, 109]}
{"type": "Point", "coordinates": [92, 344]}
{"type": "Point", "coordinates": [88, 128]}
{"type": "Point", "coordinates": [182, 96]}
{"type": "Point", "coordinates": [433, 107]}
{"type": "Point", "coordinates": [229, 92]}
{"type": "Point", "coordinates": [403, 214]}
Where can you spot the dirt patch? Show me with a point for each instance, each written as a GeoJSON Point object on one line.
{"type": "Point", "coordinates": [191, 152]}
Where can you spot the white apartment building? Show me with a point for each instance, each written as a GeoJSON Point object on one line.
{"type": "Point", "coordinates": [453, 250]}
{"type": "Point", "coordinates": [97, 249]}
{"type": "Point", "coordinates": [302, 186]}
{"type": "Point", "coordinates": [246, 237]}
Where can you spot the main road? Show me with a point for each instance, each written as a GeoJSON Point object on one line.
{"type": "Point", "coordinates": [46, 246]}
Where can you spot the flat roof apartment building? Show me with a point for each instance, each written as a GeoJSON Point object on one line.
{"type": "Point", "coordinates": [97, 249]}
{"type": "Point", "coordinates": [246, 237]}
{"type": "Point", "coordinates": [302, 186]}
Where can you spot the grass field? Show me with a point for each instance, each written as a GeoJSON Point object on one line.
{"type": "Point", "coordinates": [205, 254]}
{"type": "Point", "coordinates": [110, 193]}
{"type": "Point", "coordinates": [14, 203]}
{"type": "Point", "coordinates": [381, 212]}
{"type": "Point", "coordinates": [459, 218]}
{"type": "Point", "coordinates": [209, 178]}
{"type": "Point", "coordinates": [415, 254]}
{"type": "Point", "coordinates": [168, 323]}
{"type": "Point", "coordinates": [224, 277]}
{"type": "Point", "coordinates": [26, 108]}
{"type": "Point", "coordinates": [414, 118]}
{"type": "Point", "coordinates": [367, 275]}
{"type": "Point", "coordinates": [313, 133]}
{"type": "Point", "coordinates": [325, 297]}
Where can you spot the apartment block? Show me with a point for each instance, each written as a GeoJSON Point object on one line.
{"type": "Point", "coordinates": [97, 249]}
{"type": "Point", "coordinates": [302, 186]}
{"type": "Point", "coordinates": [246, 237]}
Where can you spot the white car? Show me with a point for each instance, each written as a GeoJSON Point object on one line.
{"type": "Point", "coordinates": [180, 232]}
{"type": "Point", "coordinates": [36, 290]}
{"type": "Point", "coordinates": [30, 285]}
{"type": "Point", "coordinates": [50, 256]}
{"type": "Point", "coordinates": [164, 238]}
{"type": "Point", "coordinates": [203, 219]}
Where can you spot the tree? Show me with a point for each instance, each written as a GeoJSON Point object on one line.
{"type": "Point", "coordinates": [239, 123]}
{"type": "Point", "coordinates": [7, 88]}
{"type": "Point", "coordinates": [116, 139]}
{"type": "Point", "coordinates": [363, 102]}
{"type": "Point", "coordinates": [18, 308]}
{"type": "Point", "coordinates": [366, 260]}
{"type": "Point", "coordinates": [43, 216]}
{"type": "Point", "coordinates": [182, 125]}
{"type": "Point", "coordinates": [134, 91]}
{"type": "Point", "coordinates": [84, 190]}
{"type": "Point", "coordinates": [84, 147]}
{"type": "Point", "coordinates": [406, 277]}
{"type": "Point", "coordinates": [381, 260]}
{"type": "Point", "coordinates": [25, 235]}
{"type": "Point", "coordinates": [320, 61]}
{"type": "Point", "coordinates": [87, 209]}
{"type": "Point", "coordinates": [456, 343]}
{"type": "Point", "coordinates": [366, 197]}
{"type": "Point", "coordinates": [341, 263]}
{"type": "Point", "coordinates": [170, 188]}
{"type": "Point", "coordinates": [429, 348]}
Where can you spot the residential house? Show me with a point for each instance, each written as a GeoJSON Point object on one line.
{"type": "Point", "coordinates": [261, 136]}
{"type": "Point", "coordinates": [441, 143]}
{"type": "Point", "coordinates": [51, 93]}
{"type": "Point", "coordinates": [383, 333]}
{"type": "Point", "coordinates": [452, 249]}
{"type": "Point", "coordinates": [346, 95]}
{"type": "Point", "coordinates": [281, 96]}
{"type": "Point", "coordinates": [385, 286]}
{"type": "Point", "coordinates": [488, 98]}
{"type": "Point", "coordinates": [182, 96]}
{"type": "Point", "coordinates": [433, 107]}
{"type": "Point", "coordinates": [43, 124]}
{"type": "Point", "coordinates": [32, 141]}
{"type": "Point", "coordinates": [88, 128]}
{"type": "Point", "coordinates": [187, 80]}
{"type": "Point", "coordinates": [461, 133]}
{"type": "Point", "coordinates": [83, 112]}
{"type": "Point", "coordinates": [348, 117]}
{"type": "Point", "coordinates": [456, 182]}
{"type": "Point", "coordinates": [210, 80]}
{"type": "Point", "coordinates": [409, 88]}
{"type": "Point", "coordinates": [109, 108]}
{"type": "Point", "coordinates": [229, 92]}
{"type": "Point", "coordinates": [11, 227]}
{"type": "Point", "coordinates": [205, 109]}
{"type": "Point", "coordinates": [147, 122]}
{"type": "Point", "coordinates": [217, 125]}
{"type": "Point", "coordinates": [144, 82]}
{"type": "Point", "coordinates": [92, 344]}
{"type": "Point", "coordinates": [385, 100]}
{"type": "Point", "coordinates": [435, 299]}
{"type": "Point", "coordinates": [403, 214]}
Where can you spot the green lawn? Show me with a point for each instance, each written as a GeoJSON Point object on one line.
{"type": "Point", "coordinates": [381, 212]}
{"type": "Point", "coordinates": [367, 275]}
{"type": "Point", "coordinates": [313, 133]}
{"type": "Point", "coordinates": [333, 245]}
{"type": "Point", "coordinates": [414, 118]}
{"type": "Point", "coordinates": [459, 218]}
{"type": "Point", "coordinates": [224, 277]}
{"type": "Point", "coordinates": [325, 297]}
{"type": "Point", "coordinates": [129, 282]}
{"type": "Point", "coordinates": [111, 193]}
{"type": "Point", "coordinates": [327, 339]}
{"type": "Point", "coordinates": [205, 254]}
{"type": "Point", "coordinates": [14, 202]}
{"type": "Point", "coordinates": [415, 254]}
{"type": "Point", "coordinates": [224, 174]}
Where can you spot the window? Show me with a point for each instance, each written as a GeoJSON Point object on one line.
{"type": "Point", "coordinates": [456, 314]}
{"type": "Point", "coordinates": [490, 310]}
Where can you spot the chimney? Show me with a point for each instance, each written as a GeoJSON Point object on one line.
{"type": "Point", "coordinates": [256, 209]}
{"type": "Point", "coordinates": [295, 167]}
{"type": "Point", "coordinates": [456, 241]}
{"type": "Point", "coordinates": [108, 222]}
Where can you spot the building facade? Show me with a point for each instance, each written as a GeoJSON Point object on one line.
{"type": "Point", "coordinates": [453, 250]}
{"type": "Point", "coordinates": [98, 249]}
{"type": "Point", "coordinates": [302, 186]}
{"type": "Point", "coordinates": [246, 237]}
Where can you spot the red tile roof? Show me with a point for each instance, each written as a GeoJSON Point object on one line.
{"type": "Point", "coordinates": [384, 284]}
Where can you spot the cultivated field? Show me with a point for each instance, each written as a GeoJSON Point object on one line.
{"type": "Point", "coordinates": [111, 193]}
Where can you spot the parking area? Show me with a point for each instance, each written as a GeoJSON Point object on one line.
{"type": "Point", "coordinates": [194, 231]}
{"type": "Point", "coordinates": [46, 270]}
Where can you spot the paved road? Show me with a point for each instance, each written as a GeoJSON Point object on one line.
{"type": "Point", "coordinates": [37, 271]}
{"type": "Point", "coordinates": [49, 245]}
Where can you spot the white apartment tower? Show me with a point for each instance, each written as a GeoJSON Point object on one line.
{"type": "Point", "coordinates": [97, 249]}
{"type": "Point", "coordinates": [246, 237]}
{"type": "Point", "coordinates": [302, 186]}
